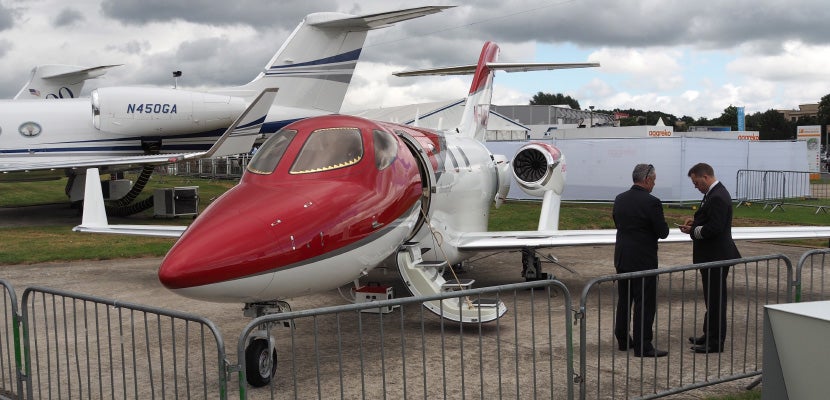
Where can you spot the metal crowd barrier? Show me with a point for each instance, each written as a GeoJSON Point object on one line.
{"type": "Point", "coordinates": [11, 382]}
{"type": "Point", "coordinates": [606, 372]}
{"type": "Point", "coordinates": [79, 346]}
{"type": "Point", "coordinates": [413, 353]}
{"type": "Point", "coordinates": [776, 189]}
{"type": "Point", "coordinates": [230, 167]}
{"type": "Point", "coordinates": [812, 276]}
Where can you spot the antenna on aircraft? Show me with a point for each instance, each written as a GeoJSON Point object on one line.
{"type": "Point", "coordinates": [176, 75]}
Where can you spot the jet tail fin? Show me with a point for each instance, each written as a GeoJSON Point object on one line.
{"type": "Point", "coordinates": [55, 81]}
{"type": "Point", "coordinates": [477, 107]}
{"type": "Point", "coordinates": [314, 66]}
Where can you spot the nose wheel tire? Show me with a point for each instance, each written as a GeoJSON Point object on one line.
{"type": "Point", "coordinates": [260, 366]}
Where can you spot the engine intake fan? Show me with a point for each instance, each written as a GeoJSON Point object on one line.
{"type": "Point", "coordinates": [539, 167]}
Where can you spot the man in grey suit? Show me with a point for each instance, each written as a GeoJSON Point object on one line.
{"type": "Point", "coordinates": [639, 219]}
{"type": "Point", "coordinates": [711, 233]}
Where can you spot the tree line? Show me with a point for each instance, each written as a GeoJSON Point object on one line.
{"type": "Point", "coordinates": [770, 124]}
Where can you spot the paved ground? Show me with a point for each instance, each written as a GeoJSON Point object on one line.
{"type": "Point", "coordinates": [134, 280]}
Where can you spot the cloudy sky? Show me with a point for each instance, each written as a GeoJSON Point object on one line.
{"type": "Point", "coordinates": [677, 56]}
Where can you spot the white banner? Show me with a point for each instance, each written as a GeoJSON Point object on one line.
{"type": "Point", "coordinates": [599, 169]}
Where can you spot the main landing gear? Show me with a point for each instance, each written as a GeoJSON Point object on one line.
{"type": "Point", "coordinates": [261, 352]}
{"type": "Point", "coordinates": [532, 265]}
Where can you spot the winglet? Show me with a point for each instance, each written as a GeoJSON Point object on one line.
{"type": "Point", "coordinates": [240, 136]}
{"type": "Point", "coordinates": [95, 215]}
{"type": "Point", "coordinates": [94, 219]}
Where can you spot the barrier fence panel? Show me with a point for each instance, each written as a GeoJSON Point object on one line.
{"type": "Point", "coordinates": [812, 276]}
{"type": "Point", "coordinates": [79, 346]}
{"type": "Point", "coordinates": [759, 186]}
{"type": "Point", "coordinates": [11, 383]}
{"type": "Point", "coordinates": [607, 372]}
{"type": "Point", "coordinates": [777, 189]}
{"type": "Point", "coordinates": [409, 352]}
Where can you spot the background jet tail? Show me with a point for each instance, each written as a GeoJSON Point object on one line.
{"type": "Point", "coordinates": [314, 66]}
{"type": "Point", "coordinates": [55, 81]}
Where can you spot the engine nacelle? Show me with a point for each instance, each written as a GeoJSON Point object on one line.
{"type": "Point", "coordinates": [161, 112]}
{"type": "Point", "coordinates": [539, 167]}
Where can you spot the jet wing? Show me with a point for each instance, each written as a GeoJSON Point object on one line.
{"type": "Point", "coordinates": [507, 67]}
{"type": "Point", "coordinates": [238, 138]}
{"type": "Point", "coordinates": [508, 240]}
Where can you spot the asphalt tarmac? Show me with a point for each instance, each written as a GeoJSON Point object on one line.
{"type": "Point", "coordinates": [135, 280]}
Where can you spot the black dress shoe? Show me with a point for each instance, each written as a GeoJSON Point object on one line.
{"type": "Point", "coordinates": [623, 346]}
{"type": "Point", "coordinates": [707, 349]}
{"type": "Point", "coordinates": [697, 341]}
{"type": "Point", "coordinates": [651, 353]}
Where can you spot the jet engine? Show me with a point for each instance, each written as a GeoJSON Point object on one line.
{"type": "Point", "coordinates": [539, 167]}
{"type": "Point", "coordinates": [161, 112]}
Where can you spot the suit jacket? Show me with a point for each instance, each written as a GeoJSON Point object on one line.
{"type": "Point", "coordinates": [712, 228]}
{"type": "Point", "coordinates": [639, 219]}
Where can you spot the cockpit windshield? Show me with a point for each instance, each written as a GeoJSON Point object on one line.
{"type": "Point", "coordinates": [269, 155]}
{"type": "Point", "coordinates": [328, 149]}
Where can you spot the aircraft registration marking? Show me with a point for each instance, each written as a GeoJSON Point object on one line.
{"type": "Point", "coordinates": [151, 108]}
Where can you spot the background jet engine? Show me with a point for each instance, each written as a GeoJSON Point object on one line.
{"type": "Point", "coordinates": [161, 112]}
{"type": "Point", "coordinates": [539, 167]}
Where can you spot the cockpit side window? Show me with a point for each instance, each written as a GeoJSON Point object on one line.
{"type": "Point", "coordinates": [328, 149]}
{"type": "Point", "coordinates": [386, 148]}
{"type": "Point", "coordinates": [265, 160]}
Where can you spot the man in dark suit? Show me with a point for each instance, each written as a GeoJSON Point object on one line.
{"type": "Point", "coordinates": [711, 233]}
{"type": "Point", "coordinates": [639, 219]}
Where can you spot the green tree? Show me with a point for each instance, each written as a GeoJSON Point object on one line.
{"type": "Point", "coordinates": [773, 126]}
{"type": "Point", "coordinates": [549, 99]}
{"type": "Point", "coordinates": [824, 110]}
{"type": "Point", "coordinates": [729, 118]}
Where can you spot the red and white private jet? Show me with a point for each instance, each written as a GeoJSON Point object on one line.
{"type": "Point", "coordinates": [326, 199]}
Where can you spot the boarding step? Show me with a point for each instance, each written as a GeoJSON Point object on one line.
{"type": "Point", "coordinates": [454, 285]}
{"type": "Point", "coordinates": [414, 250]}
{"type": "Point", "coordinates": [431, 264]}
{"type": "Point", "coordinates": [486, 303]}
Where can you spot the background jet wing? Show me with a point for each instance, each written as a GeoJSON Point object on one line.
{"type": "Point", "coordinates": [509, 240]}
{"type": "Point", "coordinates": [59, 163]}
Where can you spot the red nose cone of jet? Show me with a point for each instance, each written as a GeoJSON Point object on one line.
{"type": "Point", "coordinates": [226, 242]}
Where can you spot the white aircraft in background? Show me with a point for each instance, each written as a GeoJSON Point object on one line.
{"type": "Point", "coordinates": [57, 81]}
{"type": "Point", "coordinates": [121, 128]}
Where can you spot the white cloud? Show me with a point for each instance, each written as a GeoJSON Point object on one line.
{"type": "Point", "coordinates": [655, 55]}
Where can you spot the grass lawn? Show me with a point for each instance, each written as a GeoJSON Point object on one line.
{"type": "Point", "coordinates": [59, 243]}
